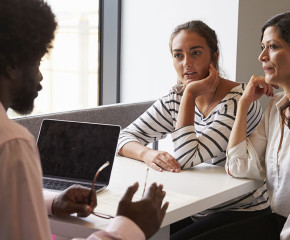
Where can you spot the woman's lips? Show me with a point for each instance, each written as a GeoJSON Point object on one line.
{"type": "Point", "coordinates": [268, 69]}
{"type": "Point", "coordinates": [189, 75]}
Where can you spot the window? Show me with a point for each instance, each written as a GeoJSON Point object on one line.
{"type": "Point", "coordinates": [70, 71]}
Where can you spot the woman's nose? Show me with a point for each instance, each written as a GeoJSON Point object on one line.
{"type": "Point", "coordinates": [187, 62]}
{"type": "Point", "coordinates": [264, 55]}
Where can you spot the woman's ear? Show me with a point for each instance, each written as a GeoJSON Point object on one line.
{"type": "Point", "coordinates": [215, 59]}
{"type": "Point", "coordinates": [216, 56]}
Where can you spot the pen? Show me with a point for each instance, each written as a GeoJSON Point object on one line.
{"type": "Point", "coordinates": [146, 177]}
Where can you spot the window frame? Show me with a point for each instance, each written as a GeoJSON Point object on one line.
{"type": "Point", "coordinates": [109, 51]}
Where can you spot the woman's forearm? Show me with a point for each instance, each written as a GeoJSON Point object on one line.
{"type": "Point", "coordinates": [186, 110]}
{"type": "Point", "coordinates": [134, 150]}
{"type": "Point", "coordinates": [239, 130]}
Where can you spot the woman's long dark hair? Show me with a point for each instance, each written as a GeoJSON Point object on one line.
{"type": "Point", "coordinates": [285, 119]}
{"type": "Point", "coordinates": [282, 23]}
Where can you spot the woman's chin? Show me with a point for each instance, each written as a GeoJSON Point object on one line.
{"type": "Point", "coordinates": [270, 79]}
{"type": "Point", "coordinates": [187, 81]}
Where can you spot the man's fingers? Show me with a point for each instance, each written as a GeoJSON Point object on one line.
{"type": "Point", "coordinates": [94, 201]}
{"type": "Point", "coordinates": [159, 196]}
{"type": "Point", "coordinates": [82, 210]}
{"type": "Point", "coordinates": [150, 193]}
{"type": "Point", "coordinates": [163, 211]}
{"type": "Point", "coordinates": [85, 211]}
{"type": "Point", "coordinates": [130, 192]}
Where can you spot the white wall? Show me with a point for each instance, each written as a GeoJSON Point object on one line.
{"type": "Point", "coordinates": [252, 15]}
{"type": "Point", "coordinates": [146, 64]}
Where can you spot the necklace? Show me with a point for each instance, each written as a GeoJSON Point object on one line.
{"type": "Point", "coordinates": [202, 114]}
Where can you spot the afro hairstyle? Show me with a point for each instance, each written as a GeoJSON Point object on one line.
{"type": "Point", "coordinates": [26, 31]}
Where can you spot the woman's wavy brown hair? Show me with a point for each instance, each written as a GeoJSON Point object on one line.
{"type": "Point", "coordinates": [282, 23]}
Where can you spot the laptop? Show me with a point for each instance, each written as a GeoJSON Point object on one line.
{"type": "Point", "coordinates": [71, 153]}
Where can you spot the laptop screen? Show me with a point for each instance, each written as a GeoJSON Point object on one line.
{"type": "Point", "coordinates": [76, 150]}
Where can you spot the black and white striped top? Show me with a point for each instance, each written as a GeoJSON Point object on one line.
{"type": "Point", "coordinates": [205, 141]}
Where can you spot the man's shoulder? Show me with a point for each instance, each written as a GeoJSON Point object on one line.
{"type": "Point", "coordinates": [10, 130]}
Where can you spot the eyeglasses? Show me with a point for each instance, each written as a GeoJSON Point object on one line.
{"type": "Point", "coordinates": [97, 173]}
{"type": "Point", "coordinates": [101, 215]}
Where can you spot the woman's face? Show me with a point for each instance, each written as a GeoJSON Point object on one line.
{"type": "Point", "coordinates": [275, 57]}
{"type": "Point", "coordinates": [191, 56]}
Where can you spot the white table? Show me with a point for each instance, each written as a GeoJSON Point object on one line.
{"type": "Point", "coordinates": [208, 184]}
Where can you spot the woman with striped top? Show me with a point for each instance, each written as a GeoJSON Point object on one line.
{"type": "Point", "coordinates": [199, 114]}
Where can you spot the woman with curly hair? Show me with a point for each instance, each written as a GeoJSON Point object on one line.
{"type": "Point", "coordinates": [266, 153]}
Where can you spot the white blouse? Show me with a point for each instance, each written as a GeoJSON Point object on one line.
{"type": "Point", "coordinates": [259, 156]}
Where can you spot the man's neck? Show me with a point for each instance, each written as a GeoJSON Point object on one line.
{"type": "Point", "coordinates": [4, 93]}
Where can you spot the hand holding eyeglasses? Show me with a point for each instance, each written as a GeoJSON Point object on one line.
{"type": "Point", "coordinates": [75, 199]}
{"type": "Point", "coordinates": [78, 199]}
{"type": "Point", "coordinates": [148, 213]}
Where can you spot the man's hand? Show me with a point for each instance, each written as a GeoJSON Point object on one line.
{"type": "Point", "coordinates": [75, 199]}
{"type": "Point", "coordinates": [148, 213]}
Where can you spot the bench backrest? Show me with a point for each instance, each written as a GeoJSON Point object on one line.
{"type": "Point", "coordinates": [119, 114]}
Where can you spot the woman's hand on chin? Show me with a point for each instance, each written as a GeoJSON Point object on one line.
{"type": "Point", "coordinates": [204, 86]}
{"type": "Point", "coordinates": [256, 88]}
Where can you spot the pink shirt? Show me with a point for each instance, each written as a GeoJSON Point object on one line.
{"type": "Point", "coordinates": [22, 205]}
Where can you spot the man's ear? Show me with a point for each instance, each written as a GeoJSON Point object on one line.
{"type": "Point", "coordinates": [11, 71]}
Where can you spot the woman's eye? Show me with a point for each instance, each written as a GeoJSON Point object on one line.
{"type": "Point", "coordinates": [272, 46]}
{"type": "Point", "coordinates": [196, 53]}
{"type": "Point", "coordinates": [178, 55]}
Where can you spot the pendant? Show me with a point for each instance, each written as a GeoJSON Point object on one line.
{"type": "Point", "coordinates": [201, 117]}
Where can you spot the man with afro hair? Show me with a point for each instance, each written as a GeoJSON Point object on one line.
{"type": "Point", "coordinates": [27, 30]}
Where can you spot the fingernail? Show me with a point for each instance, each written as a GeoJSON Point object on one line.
{"type": "Point", "coordinates": [171, 170]}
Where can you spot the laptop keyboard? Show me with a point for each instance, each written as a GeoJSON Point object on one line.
{"type": "Point", "coordinates": [62, 185]}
